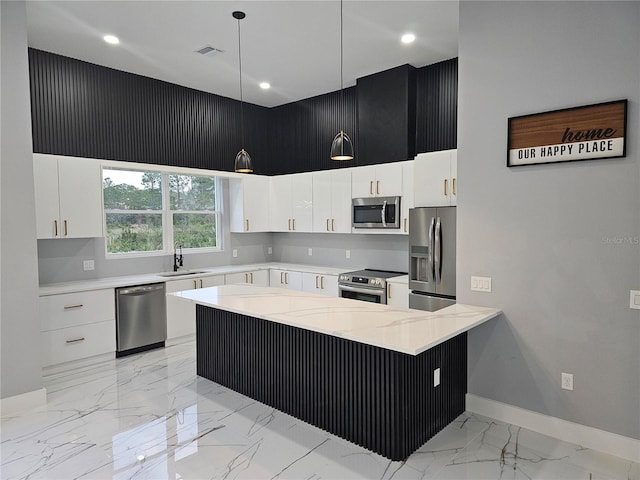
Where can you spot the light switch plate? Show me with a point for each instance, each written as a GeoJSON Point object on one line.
{"type": "Point", "coordinates": [269, 250]}
{"type": "Point", "coordinates": [634, 299]}
{"type": "Point", "coordinates": [235, 252]}
{"type": "Point", "coordinates": [481, 284]}
{"type": "Point", "coordinates": [436, 377]}
{"type": "Point", "coordinates": [348, 254]}
{"type": "Point", "coordinates": [88, 265]}
{"type": "Point", "coordinates": [310, 251]}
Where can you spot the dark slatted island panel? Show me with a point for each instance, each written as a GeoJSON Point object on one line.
{"type": "Point", "coordinates": [380, 399]}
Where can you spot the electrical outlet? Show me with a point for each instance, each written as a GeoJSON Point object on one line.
{"type": "Point", "coordinates": [436, 377]}
{"type": "Point", "coordinates": [310, 252]}
{"type": "Point", "coordinates": [567, 381]}
{"type": "Point", "coordinates": [235, 252]}
{"type": "Point", "coordinates": [481, 284]}
{"type": "Point", "coordinates": [634, 299]}
{"type": "Point", "coordinates": [269, 250]}
{"type": "Point", "coordinates": [348, 253]}
{"type": "Point", "coordinates": [88, 265]}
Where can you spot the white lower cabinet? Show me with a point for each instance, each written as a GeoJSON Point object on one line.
{"type": "Point", "coordinates": [76, 343]}
{"type": "Point", "coordinates": [76, 326]}
{"type": "Point", "coordinates": [398, 292]}
{"type": "Point", "coordinates": [323, 284]}
{"type": "Point", "coordinates": [181, 314]}
{"type": "Point", "coordinates": [259, 278]}
{"type": "Point", "coordinates": [285, 279]}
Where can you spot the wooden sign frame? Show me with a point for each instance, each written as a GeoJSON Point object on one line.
{"type": "Point", "coordinates": [573, 134]}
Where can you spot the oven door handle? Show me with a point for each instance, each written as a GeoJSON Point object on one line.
{"type": "Point", "coordinates": [374, 291]}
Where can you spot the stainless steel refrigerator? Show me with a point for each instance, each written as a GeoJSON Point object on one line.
{"type": "Point", "coordinates": [432, 257]}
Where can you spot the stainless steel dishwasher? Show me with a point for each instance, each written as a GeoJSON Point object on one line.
{"type": "Point", "coordinates": [141, 318]}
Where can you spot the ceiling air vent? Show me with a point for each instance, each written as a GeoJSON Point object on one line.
{"type": "Point", "coordinates": [208, 51]}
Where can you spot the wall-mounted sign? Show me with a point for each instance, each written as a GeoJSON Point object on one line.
{"type": "Point", "coordinates": [581, 133]}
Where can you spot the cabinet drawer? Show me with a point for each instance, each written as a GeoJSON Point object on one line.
{"type": "Point", "coordinates": [79, 308]}
{"type": "Point", "coordinates": [75, 343]}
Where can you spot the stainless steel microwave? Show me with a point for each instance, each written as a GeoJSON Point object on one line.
{"type": "Point", "coordinates": [375, 212]}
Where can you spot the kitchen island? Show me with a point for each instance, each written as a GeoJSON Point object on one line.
{"type": "Point", "coordinates": [385, 378]}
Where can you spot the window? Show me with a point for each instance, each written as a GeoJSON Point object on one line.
{"type": "Point", "coordinates": [147, 212]}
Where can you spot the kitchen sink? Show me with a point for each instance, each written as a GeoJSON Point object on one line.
{"type": "Point", "coordinates": [181, 274]}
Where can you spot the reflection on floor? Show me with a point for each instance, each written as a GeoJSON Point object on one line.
{"type": "Point", "coordinates": [149, 416]}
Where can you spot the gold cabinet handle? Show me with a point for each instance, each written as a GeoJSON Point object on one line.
{"type": "Point", "coordinates": [328, 229]}
{"type": "Point", "coordinates": [71, 307]}
{"type": "Point", "coordinates": [445, 186]}
{"type": "Point", "coordinates": [55, 228]}
{"type": "Point", "coordinates": [377, 187]}
{"type": "Point", "coordinates": [286, 278]}
{"type": "Point", "coordinates": [246, 278]}
{"type": "Point", "coordinates": [201, 283]}
{"type": "Point", "coordinates": [66, 230]}
{"type": "Point", "coordinates": [288, 224]}
{"type": "Point", "coordinates": [195, 285]}
{"type": "Point", "coordinates": [371, 187]}
{"type": "Point", "coordinates": [405, 224]}
{"type": "Point", "coordinates": [322, 283]}
{"type": "Point", "coordinates": [247, 225]}
{"type": "Point", "coordinates": [317, 281]}
{"type": "Point", "coordinates": [333, 224]}
{"type": "Point", "coordinates": [281, 278]}
{"type": "Point", "coordinates": [75, 340]}
{"type": "Point", "coordinates": [251, 274]}
{"type": "Point", "coordinates": [294, 223]}
{"type": "Point", "coordinates": [453, 185]}
{"type": "Point", "coordinates": [388, 290]}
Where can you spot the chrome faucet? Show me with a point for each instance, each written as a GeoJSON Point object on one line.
{"type": "Point", "coordinates": [177, 259]}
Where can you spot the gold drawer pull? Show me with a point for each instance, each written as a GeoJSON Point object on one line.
{"type": "Point", "coordinates": [71, 307]}
{"type": "Point", "coordinates": [453, 182]}
{"type": "Point", "coordinates": [445, 186]}
{"type": "Point", "coordinates": [333, 224]}
{"type": "Point", "coordinates": [328, 228]}
{"type": "Point", "coordinates": [75, 340]}
{"type": "Point", "coordinates": [55, 228]}
{"type": "Point", "coordinates": [66, 230]}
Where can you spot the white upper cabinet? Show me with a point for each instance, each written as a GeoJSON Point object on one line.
{"type": "Point", "coordinates": [291, 203]}
{"type": "Point", "coordinates": [68, 197]}
{"type": "Point", "coordinates": [406, 202]}
{"type": "Point", "coordinates": [383, 180]}
{"type": "Point", "coordinates": [249, 199]}
{"type": "Point", "coordinates": [332, 201]}
{"type": "Point", "coordinates": [435, 179]}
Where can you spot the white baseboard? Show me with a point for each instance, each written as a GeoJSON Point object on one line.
{"type": "Point", "coordinates": [589, 437]}
{"type": "Point", "coordinates": [22, 403]}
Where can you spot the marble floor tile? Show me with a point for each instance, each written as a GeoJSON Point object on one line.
{"type": "Point", "coordinates": [149, 416]}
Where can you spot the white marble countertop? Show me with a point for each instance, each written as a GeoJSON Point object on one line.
{"type": "Point", "coordinates": [403, 330]}
{"type": "Point", "coordinates": [115, 282]}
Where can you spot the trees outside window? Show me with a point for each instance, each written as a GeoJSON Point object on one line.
{"type": "Point", "coordinates": [149, 212]}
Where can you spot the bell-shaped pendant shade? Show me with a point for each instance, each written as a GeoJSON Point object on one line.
{"type": "Point", "coordinates": [243, 162]}
{"type": "Point", "coordinates": [342, 148]}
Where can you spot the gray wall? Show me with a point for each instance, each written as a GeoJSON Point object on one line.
{"type": "Point", "coordinates": [561, 242]}
{"type": "Point", "coordinates": [19, 326]}
{"type": "Point", "coordinates": [378, 251]}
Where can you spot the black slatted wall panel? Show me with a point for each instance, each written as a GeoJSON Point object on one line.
{"type": "Point", "coordinates": [377, 398]}
{"type": "Point", "coordinates": [437, 107]}
{"type": "Point", "coordinates": [302, 132]}
{"type": "Point", "coordinates": [82, 109]}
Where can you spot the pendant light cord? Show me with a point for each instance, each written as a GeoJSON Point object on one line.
{"type": "Point", "coordinates": [241, 107]}
{"type": "Point", "coordinates": [341, 67]}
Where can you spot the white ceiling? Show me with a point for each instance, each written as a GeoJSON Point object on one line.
{"type": "Point", "coordinates": [294, 45]}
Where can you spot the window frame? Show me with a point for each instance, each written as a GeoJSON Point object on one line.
{"type": "Point", "coordinates": [166, 212]}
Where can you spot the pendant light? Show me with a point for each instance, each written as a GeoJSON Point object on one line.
{"type": "Point", "coordinates": [341, 148]}
{"type": "Point", "coordinates": [243, 159]}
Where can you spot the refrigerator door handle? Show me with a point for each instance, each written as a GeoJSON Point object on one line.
{"type": "Point", "coordinates": [438, 252]}
{"type": "Point", "coordinates": [430, 276]}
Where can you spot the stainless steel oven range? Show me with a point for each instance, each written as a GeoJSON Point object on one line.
{"type": "Point", "coordinates": [367, 285]}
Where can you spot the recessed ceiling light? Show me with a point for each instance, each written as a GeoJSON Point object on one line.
{"type": "Point", "coordinates": [112, 39]}
{"type": "Point", "coordinates": [265, 85]}
{"type": "Point", "coordinates": [408, 38]}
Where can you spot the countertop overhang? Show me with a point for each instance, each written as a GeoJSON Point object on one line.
{"type": "Point", "coordinates": [403, 330]}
